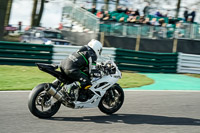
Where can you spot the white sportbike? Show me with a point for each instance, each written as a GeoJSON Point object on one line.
{"type": "Point", "coordinates": [46, 98]}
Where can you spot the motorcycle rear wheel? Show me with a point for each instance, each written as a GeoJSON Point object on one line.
{"type": "Point", "coordinates": [37, 103]}
{"type": "Point", "coordinates": [112, 100]}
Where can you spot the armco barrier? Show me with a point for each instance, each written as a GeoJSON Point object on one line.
{"type": "Point", "coordinates": [146, 61]}
{"type": "Point", "coordinates": [12, 53]}
{"type": "Point", "coordinates": [188, 63]}
{"type": "Point", "coordinates": [127, 59]}
{"type": "Point", "coordinates": [29, 54]}
{"type": "Point", "coordinates": [61, 52]}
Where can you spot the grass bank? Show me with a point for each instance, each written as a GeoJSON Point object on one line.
{"type": "Point", "coordinates": [25, 78]}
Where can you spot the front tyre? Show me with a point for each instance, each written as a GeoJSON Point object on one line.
{"type": "Point", "coordinates": [112, 100]}
{"type": "Point", "coordinates": [39, 103]}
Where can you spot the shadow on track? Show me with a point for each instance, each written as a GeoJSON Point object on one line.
{"type": "Point", "coordinates": [133, 119]}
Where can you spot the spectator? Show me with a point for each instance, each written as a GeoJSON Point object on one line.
{"type": "Point", "coordinates": [122, 17]}
{"type": "Point", "coordinates": [100, 14]}
{"type": "Point", "coordinates": [171, 20]}
{"type": "Point", "coordinates": [119, 9]}
{"type": "Point", "coordinates": [129, 11]}
{"type": "Point", "coordinates": [129, 19]}
{"type": "Point", "coordinates": [164, 25]}
{"type": "Point", "coordinates": [94, 10]}
{"type": "Point", "coordinates": [189, 20]}
{"type": "Point", "coordinates": [133, 13]}
{"type": "Point", "coordinates": [154, 22]}
{"type": "Point", "coordinates": [132, 19]}
{"type": "Point", "coordinates": [146, 9]}
{"type": "Point", "coordinates": [193, 14]}
{"type": "Point", "coordinates": [126, 10]}
{"type": "Point", "coordinates": [158, 14]}
{"type": "Point", "coordinates": [147, 21]}
{"type": "Point", "coordinates": [185, 14]}
{"type": "Point", "coordinates": [161, 21]}
{"type": "Point", "coordinates": [179, 32]}
{"type": "Point", "coordinates": [137, 13]}
{"type": "Point", "coordinates": [141, 20]}
{"type": "Point", "coordinates": [162, 32]}
{"type": "Point", "coordinates": [114, 18]}
{"type": "Point", "coordinates": [106, 16]}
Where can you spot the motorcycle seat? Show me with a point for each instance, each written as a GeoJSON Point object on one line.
{"type": "Point", "coordinates": [43, 66]}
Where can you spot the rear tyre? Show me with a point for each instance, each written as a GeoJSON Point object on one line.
{"type": "Point", "coordinates": [112, 100]}
{"type": "Point", "coordinates": [39, 103]}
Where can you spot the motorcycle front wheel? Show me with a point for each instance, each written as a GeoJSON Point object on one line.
{"type": "Point", "coordinates": [39, 103]}
{"type": "Point", "coordinates": [112, 101]}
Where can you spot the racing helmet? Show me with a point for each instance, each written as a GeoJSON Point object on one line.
{"type": "Point", "coordinates": [96, 46]}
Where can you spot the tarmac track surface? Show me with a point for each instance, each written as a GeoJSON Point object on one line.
{"type": "Point", "coordinates": [142, 112]}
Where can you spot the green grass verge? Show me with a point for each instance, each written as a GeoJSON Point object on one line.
{"type": "Point", "coordinates": [25, 78]}
{"type": "Point", "coordinates": [21, 77]}
{"type": "Point", "coordinates": [131, 80]}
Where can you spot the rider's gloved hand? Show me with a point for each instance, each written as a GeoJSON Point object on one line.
{"type": "Point", "coordinates": [95, 73]}
{"type": "Point", "coordinates": [99, 66]}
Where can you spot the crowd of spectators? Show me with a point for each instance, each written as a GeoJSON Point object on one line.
{"type": "Point", "coordinates": [128, 15]}
{"type": "Point", "coordinates": [167, 24]}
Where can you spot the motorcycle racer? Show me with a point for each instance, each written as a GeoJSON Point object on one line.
{"type": "Point", "coordinates": [79, 64]}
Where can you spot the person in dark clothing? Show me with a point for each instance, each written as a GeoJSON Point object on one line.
{"type": "Point", "coordinates": [159, 14]}
{"type": "Point", "coordinates": [78, 65]}
{"type": "Point", "coordinates": [171, 20]}
{"type": "Point", "coordinates": [119, 9]}
{"type": "Point", "coordinates": [93, 10]}
{"type": "Point", "coordinates": [146, 9]}
{"type": "Point", "coordinates": [137, 13]}
{"type": "Point", "coordinates": [193, 14]}
{"type": "Point", "coordinates": [186, 14]}
{"type": "Point", "coordinates": [133, 13]}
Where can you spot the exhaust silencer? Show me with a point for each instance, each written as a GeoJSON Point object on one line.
{"type": "Point", "coordinates": [52, 91]}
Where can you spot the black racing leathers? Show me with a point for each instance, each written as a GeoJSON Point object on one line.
{"type": "Point", "coordinates": [78, 65]}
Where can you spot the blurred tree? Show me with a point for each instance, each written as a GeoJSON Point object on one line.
{"type": "Point", "coordinates": [94, 2]}
{"type": "Point", "coordinates": [178, 8]}
{"type": "Point", "coordinates": [38, 8]}
{"type": "Point", "coordinates": [3, 9]}
{"type": "Point", "coordinates": [106, 4]}
{"type": "Point", "coordinates": [7, 17]}
{"type": "Point", "coordinates": [117, 4]}
{"type": "Point", "coordinates": [34, 17]}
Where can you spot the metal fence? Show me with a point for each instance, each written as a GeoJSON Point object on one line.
{"type": "Point", "coordinates": [170, 31]}
{"type": "Point", "coordinates": [82, 16]}
{"type": "Point", "coordinates": [12, 53]}
{"type": "Point", "coordinates": [186, 31]}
